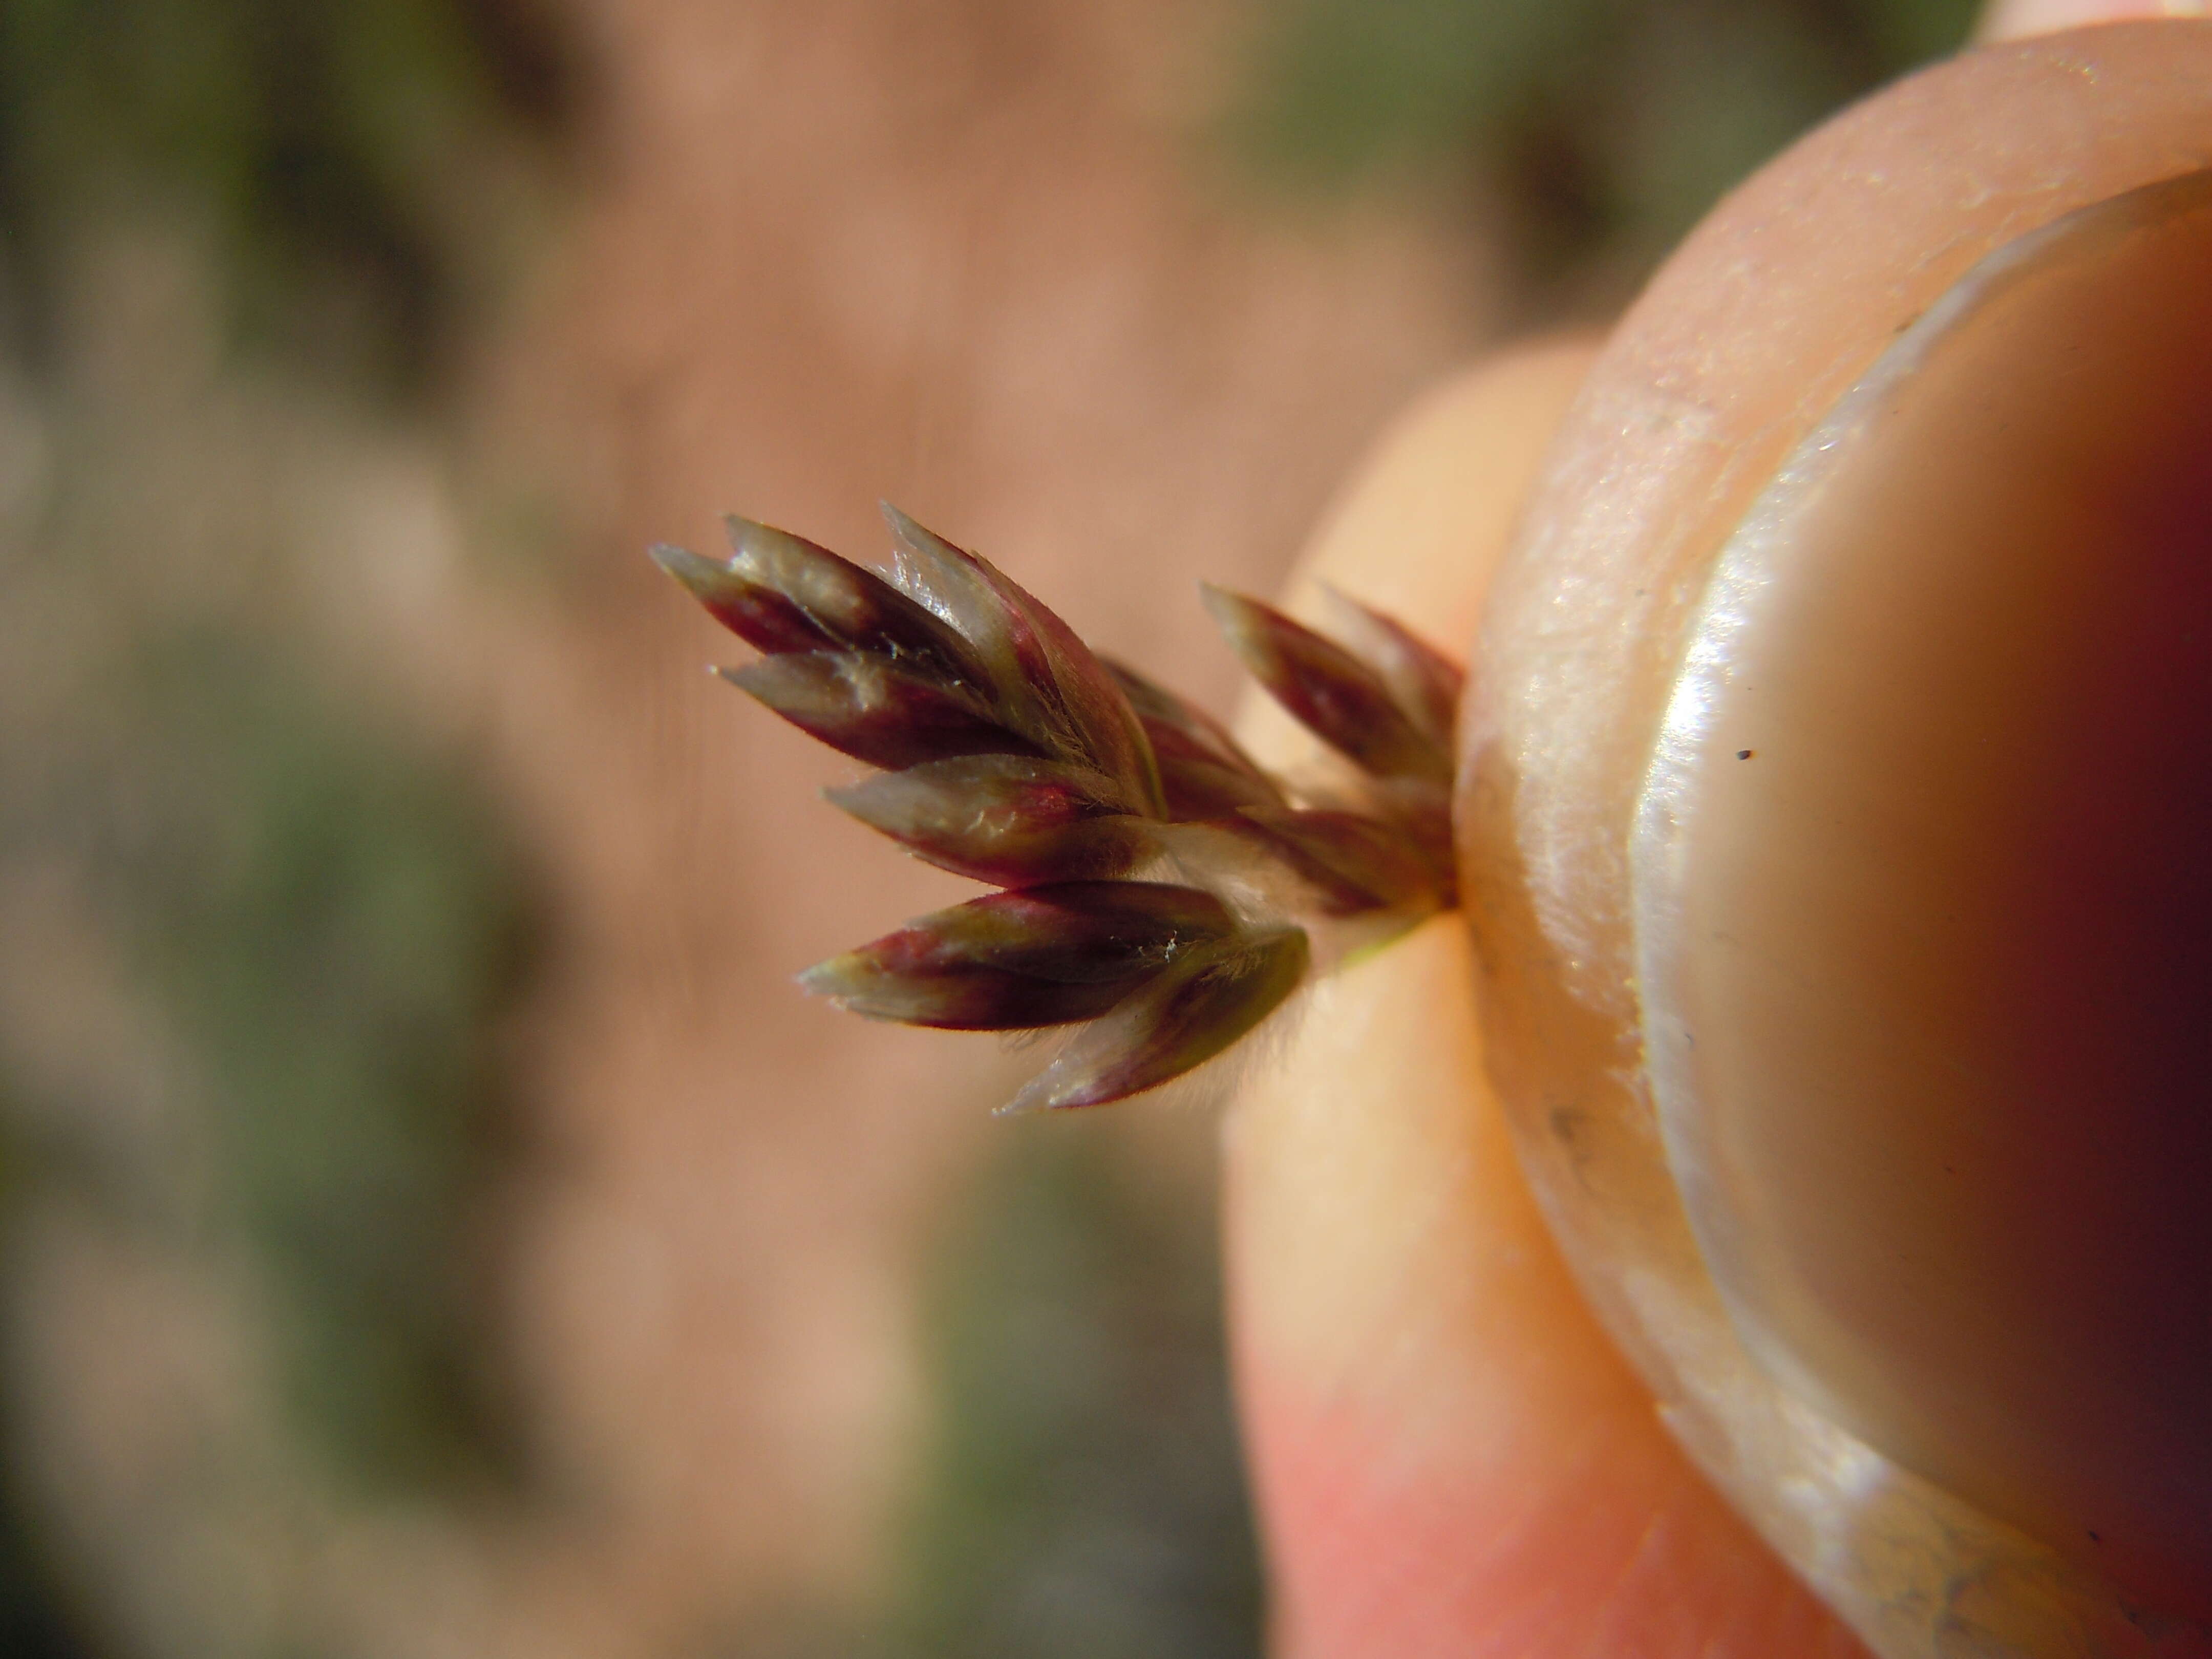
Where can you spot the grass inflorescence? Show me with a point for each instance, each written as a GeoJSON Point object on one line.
{"type": "Point", "coordinates": [1160, 889]}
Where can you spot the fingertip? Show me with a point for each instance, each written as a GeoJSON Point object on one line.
{"type": "Point", "coordinates": [1449, 1455]}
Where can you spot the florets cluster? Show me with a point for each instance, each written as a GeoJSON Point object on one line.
{"type": "Point", "coordinates": [1160, 888]}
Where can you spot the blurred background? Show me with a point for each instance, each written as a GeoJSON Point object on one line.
{"type": "Point", "coordinates": [431, 1223]}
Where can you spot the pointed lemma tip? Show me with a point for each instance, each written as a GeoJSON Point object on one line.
{"type": "Point", "coordinates": [841, 982]}
{"type": "Point", "coordinates": [681, 563]}
{"type": "Point", "coordinates": [707, 580]}
{"type": "Point", "coordinates": [907, 530]}
{"type": "Point", "coordinates": [853, 799]}
{"type": "Point", "coordinates": [1047, 1093]}
{"type": "Point", "coordinates": [751, 539]}
{"type": "Point", "coordinates": [1029, 1102]}
{"type": "Point", "coordinates": [1334, 595]}
{"type": "Point", "coordinates": [916, 537]}
{"type": "Point", "coordinates": [1223, 603]}
{"type": "Point", "coordinates": [822, 980]}
{"type": "Point", "coordinates": [1238, 618]}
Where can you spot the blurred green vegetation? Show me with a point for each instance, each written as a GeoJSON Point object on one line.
{"type": "Point", "coordinates": [32, 1625]}
{"type": "Point", "coordinates": [1083, 1496]}
{"type": "Point", "coordinates": [36, 1621]}
{"type": "Point", "coordinates": [335, 921]}
{"type": "Point", "coordinates": [338, 152]}
{"type": "Point", "coordinates": [331, 922]}
{"type": "Point", "coordinates": [314, 906]}
{"type": "Point", "coordinates": [1599, 130]}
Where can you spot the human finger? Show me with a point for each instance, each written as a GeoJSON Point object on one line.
{"type": "Point", "coordinates": [1449, 1457]}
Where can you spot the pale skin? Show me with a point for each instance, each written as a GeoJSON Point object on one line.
{"type": "Point", "coordinates": [1449, 1457]}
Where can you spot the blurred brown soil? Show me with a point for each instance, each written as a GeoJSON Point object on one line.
{"type": "Point", "coordinates": [979, 258]}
